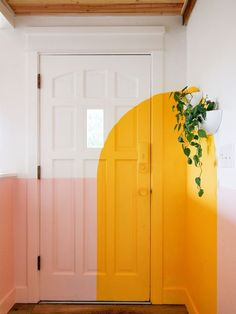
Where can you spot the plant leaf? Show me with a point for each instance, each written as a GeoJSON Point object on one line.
{"type": "Point", "coordinates": [180, 139]}
{"type": "Point", "coordinates": [199, 152]}
{"type": "Point", "coordinates": [202, 133]}
{"type": "Point", "coordinates": [190, 137]}
{"type": "Point", "coordinates": [201, 192]}
{"type": "Point", "coordinates": [190, 161]}
{"type": "Point", "coordinates": [194, 144]}
{"type": "Point", "coordinates": [198, 181]}
{"type": "Point", "coordinates": [211, 105]}
{"type": "Point", "coordinates": [180, 106]}
{"type": "Point", "coordinates": [184, 89]}
{"type": "Point", "coordinates": [187, 151]}
{"type": "Point", "coordinates": [176, 96]}
{"type": "Point", "coordinates": [196, 160]}
{"type": "Point", "coordinates": [203, 117]}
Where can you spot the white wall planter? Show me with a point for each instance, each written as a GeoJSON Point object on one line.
{"type": "Point", "coordinates": [212, 122]}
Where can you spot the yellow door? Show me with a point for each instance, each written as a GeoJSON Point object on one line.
{"type": "Point", "coordinates": [124, 210]}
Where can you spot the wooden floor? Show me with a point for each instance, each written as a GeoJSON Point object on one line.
{"type": "Point", "coordinates": [97, 309]}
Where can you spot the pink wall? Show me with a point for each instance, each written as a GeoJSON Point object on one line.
{"type": "Point", "coordinates": [20, 234]}
{"type": "Point", "coordinates": [7, 283]}
{"type": "Point", "coordinates": [227, 251]}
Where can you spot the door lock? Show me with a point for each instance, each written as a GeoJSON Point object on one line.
{"type": "Point", "coordinates": [143, 157]}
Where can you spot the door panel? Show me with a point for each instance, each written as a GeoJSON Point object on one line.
{"type": "Point", "coordinates": [86, 101]}
{"type": "Point", "coordinates": [124, 181]}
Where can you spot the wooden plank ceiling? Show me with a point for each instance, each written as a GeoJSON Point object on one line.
{"type": "Point", "coordinates": [136, 7]}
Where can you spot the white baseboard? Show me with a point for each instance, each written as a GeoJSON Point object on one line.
{"type": "Point", "coordinates": [7, 302]}
{"type": "Point", "coordinates": [22, 294]}
{"type": "Point", "coordinates": [179, 295]}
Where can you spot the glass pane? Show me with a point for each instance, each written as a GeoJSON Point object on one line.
{"type": "Point", "coordinates": [95, 128]}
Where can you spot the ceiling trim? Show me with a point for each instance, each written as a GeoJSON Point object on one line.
{"type": "Point", "coordinates": [188, 11]}
{"type": "Point", "coordinates": [7, 12]}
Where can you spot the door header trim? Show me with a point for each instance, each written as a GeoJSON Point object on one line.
{"type": "Point", "coordinates": [129, 39]}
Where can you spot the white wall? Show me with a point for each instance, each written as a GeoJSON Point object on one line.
{"type": "Point", "coordinates": [13, 107]}
{"type": "Point", "coordinates": [211, 65]}
{"type": "Point", "coordinates": [12, 102]}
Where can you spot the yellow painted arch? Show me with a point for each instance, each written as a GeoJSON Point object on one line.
{"type": "Point", "coordinates": [189, 224]}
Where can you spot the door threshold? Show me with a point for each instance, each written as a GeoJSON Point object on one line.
{"type": "Point", "coordinates": [97, 302]}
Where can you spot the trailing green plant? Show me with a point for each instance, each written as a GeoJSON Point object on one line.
{"type": "Point", "coordinates": [188, 126]}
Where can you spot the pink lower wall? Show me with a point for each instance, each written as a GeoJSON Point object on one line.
{"type": "Point", "coordinates": [7, 282]}
{"type": "Point", "coordinates": [20, 235]}
{"type": "Point", "coordinates": [226, 251]}
{"type": "Point", "coordinates": [13, 236]}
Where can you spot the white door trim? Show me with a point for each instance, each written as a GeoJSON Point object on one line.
{"type": "Point", "coordinates": [111, 39]}
{"type": "Point", "coordinates": [82, 40]}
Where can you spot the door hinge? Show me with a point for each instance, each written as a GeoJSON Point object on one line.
{"type": "Point", "coordinates": [39, 172]}
{"type": "Point", "coordinates": [39, 81]}
{"type": "Point", "coordinates": [39, 263]}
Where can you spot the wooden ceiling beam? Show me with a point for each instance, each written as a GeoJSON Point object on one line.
{"type": "Point", "coordinates": [161, 7]}
{"type": "Point", "coordinates": [88, 2]}
{"type": "Point", "coordinates": [188, 8]}
{"type": "Point", "coordinates": [7, 13]}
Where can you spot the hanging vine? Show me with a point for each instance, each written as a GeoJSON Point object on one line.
{"type": "Point", "coordinates": [188, 125]}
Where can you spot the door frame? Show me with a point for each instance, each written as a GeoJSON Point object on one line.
{"type": "Point", "coordinates": [87, 40]}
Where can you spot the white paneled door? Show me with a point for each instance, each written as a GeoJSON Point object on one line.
{"type": "Point", "coordinates": [82, 97]}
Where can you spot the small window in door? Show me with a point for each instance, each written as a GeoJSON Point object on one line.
{"type": "Point", "coordinates": [95, 128]}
